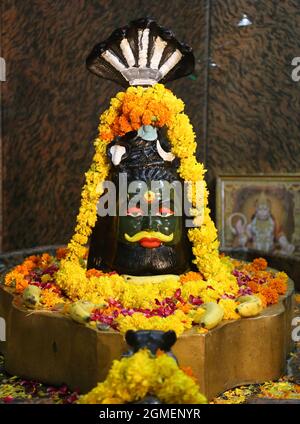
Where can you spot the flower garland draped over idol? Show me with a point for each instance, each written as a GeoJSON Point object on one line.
{"type": "Point", "coordinates": [128, 111]}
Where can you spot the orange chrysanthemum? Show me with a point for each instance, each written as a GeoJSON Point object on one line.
{"type": "Point", "coordinates": [253, 286]}
{"type": "Point", "coordinates": [259, 276]}
{"type": "Point", "coordinates": [61, 253]}
{"type": "Point", "coordinates": [21, 283]}
{"type": "Point", "coordinates": [191, 276]}
{"type": "Point", "coordinates": [137, 111]}
{"type": "Point", "coordinates": [93, 273]}
{"type": "Point", "coordinates": [17, 277]}
{"type": "Point", "coordinates": [259, 264]}
{"type": "Point", "coordinates": [184, 307]}
{"type": "Point", "coordinates": [107, 135]}
{"type": "Point", "coordinates": [188, 371]}
{"type": "Point", "coordinates": [278, 285]}
{"type": "Point", "coordinates": [269, 294]}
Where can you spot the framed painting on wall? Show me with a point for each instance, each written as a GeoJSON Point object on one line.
{"type": "Point", "coordinates": [259, 212]}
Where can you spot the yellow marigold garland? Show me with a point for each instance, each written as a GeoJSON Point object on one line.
{"type": "Point", "coordinates": [92, 190]}
{"type": "Point", "coordinates": [172, 302]}
{"type": "Point", "coordinates": [131, 379]}
{"type": "Point", "coordinates": [178, 322]}
{"type": "Point", "coordinates": [99, 290]}
{"type": "Point", "coordinates": [129, 110]}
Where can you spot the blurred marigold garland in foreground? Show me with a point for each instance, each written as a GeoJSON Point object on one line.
{"type": "Point", "coordinates": [133, 378]}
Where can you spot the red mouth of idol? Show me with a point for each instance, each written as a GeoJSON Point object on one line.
{"type": "Point", "coordinates": [150, 242]}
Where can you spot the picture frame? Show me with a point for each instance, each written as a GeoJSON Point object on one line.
{"type": "Point", "coordinates": [259, 212]}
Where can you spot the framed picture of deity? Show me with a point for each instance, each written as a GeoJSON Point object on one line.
{"type": "Point", "coordinates": [259, 212]}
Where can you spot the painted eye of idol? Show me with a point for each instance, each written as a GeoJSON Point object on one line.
{"type": "Point", "coordinates": [135, 212]}
{"type": "Point", "coordinates": [165, 212]}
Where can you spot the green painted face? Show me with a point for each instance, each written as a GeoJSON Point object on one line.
{"type": "Point", "coordinates": [150, 221]}
{"type": "Point", "coordinates": [147, 235]}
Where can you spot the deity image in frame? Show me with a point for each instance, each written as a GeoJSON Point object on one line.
{"type": "Point", "coordinates": [259, 213]}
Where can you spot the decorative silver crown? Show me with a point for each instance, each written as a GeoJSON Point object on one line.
{"type": "Point", "coordinates": [142, 53]}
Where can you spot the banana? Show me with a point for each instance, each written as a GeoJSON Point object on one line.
{"type": "Point", "coordinates": [247, 298]}
{"type": "Point", "coordinates": [249, 306]}
{"type": "Point", "coordinates": [81, 311]}
{"type": "Point", "coordinates": [31, 296]}
{"type": "Point", "coordinates": [213, 315]}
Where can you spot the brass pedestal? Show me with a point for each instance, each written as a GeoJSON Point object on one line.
{"type": "Point", "coordinates": [52, 348]}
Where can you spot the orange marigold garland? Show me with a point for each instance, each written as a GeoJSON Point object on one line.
{"type": "Point", "coordinates": [262, 282]}
{"type": "Point", "coordinates": [19, 276]}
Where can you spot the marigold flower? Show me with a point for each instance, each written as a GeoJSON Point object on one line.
{"type": "Point", "coordinates": [191, 276]}
{"type": "Point", "coordinates": [253, 286]}
{"type": "Point", "coordinates": [131, 379]}
{"type": "Point", "coordinates": [21, 283]}
{"type": "Point", "coordinates": [259, 264]}
{"type": "Point", "coordinates": [94, 273]}
{"type": "Point", "coordinates": [263, 299]}
{"type": "Point", "coordinates": [50, 298]}
{"type": "Point", "coordinates": [61, 253]}
{"type": "Point", "coordinates": [269, 294]}
{"type": "Point", "coordinates": [278, 285]}
{"type": "Point", "coordinates": [188, 371]}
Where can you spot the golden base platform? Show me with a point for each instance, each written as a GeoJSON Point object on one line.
{"type": "Point", "coordinates": [54, 349]}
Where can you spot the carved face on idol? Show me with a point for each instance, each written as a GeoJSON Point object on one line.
{"type": "Point", "coordinates": [151, 222]}
{"type": "Point", "coordinates": [148, 237]}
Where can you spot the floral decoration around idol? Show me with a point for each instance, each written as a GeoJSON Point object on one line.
{"type": "Point", "coordinates": [93, 289]}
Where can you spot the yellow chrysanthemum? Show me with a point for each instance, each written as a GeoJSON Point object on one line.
{"type": "Point", "coordinates": [131, 379]}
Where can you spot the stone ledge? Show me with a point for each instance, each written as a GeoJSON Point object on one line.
{"type": "Point", "coordinates": [52, 348]}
